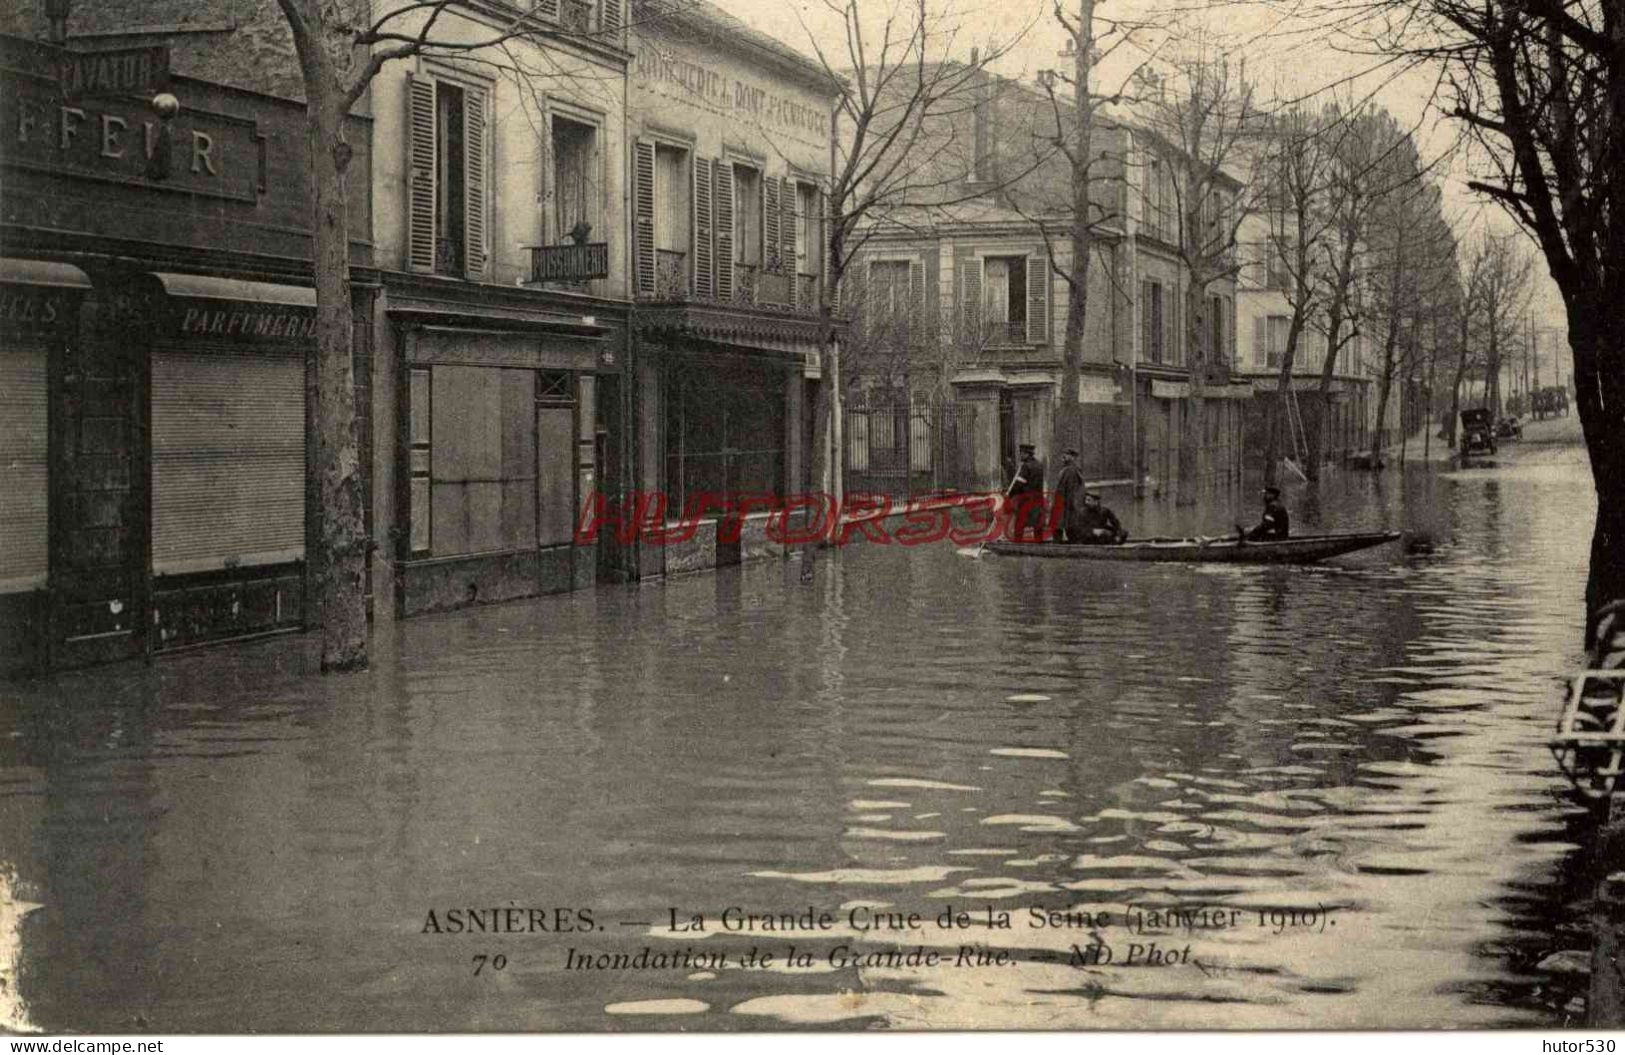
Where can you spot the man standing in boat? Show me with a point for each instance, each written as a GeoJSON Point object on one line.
{"type": "Point", "coordinates": [1069, 490]}
{"type": "Point", "coordinates": [1275, 524]}
{"type": "Point", "coordinates": [1097, 525]}
{"type": "Point", "coordinates": [1027, 495]}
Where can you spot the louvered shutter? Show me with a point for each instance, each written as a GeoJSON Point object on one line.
{"type": "Point", "coordinates": [770, 224]}
{"type": "Point", "coordinates": [548, 9]}
{"type": "Point", "coordinates": [1038, 300]}
{"type": "Point", "coordinates": [722, 187]}
{"type": "Point", "coordinates": [970, 299]}
{"type": "Point", "coordinates": [421, 192]}
{"type": "Point", "coordinates": [610, 19]}
{"type": "Point", "coordinates": [643, 216]}
{"type": "Point", "coordinates": [787, 232]}
{"type": "Point", "coordinates": [916, 292]}
{"type": "Point", "coordinates": [1174, 338]}
{"type": "Point", "coordinates": [826, 209]}
{"type": "Point", "coordinates": [475, 192]}
{"type": "Point", "coordinates": [705, 285]}
{"type": "Point", "coordinates": [1146, 323]}
{"type": "Point", "coordinates": [1261, 348]}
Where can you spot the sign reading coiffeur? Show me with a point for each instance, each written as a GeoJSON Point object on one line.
{"type": "Point", "coordinates": [115, 138]}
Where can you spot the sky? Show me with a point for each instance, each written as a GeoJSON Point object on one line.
{"type": "Point", "coordinates": [1286, 57]}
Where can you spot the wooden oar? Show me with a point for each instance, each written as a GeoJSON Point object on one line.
{"type": "Point", "coordinates": [976, 554]}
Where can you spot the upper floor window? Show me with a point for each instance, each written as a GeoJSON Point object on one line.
{"type": "Point", "coordinates": [1270, 338]}
{"type": "Point", "coordinates": [1276, 274]}
{"type": "Point", "coordinates": [1153, 198]}
{"type": "Point", "coordinates": [448, 201]}
{"type": "Point", "coordinates": [575, 181]}
{"type": "Point", "coordinates": [1152, 324]}
{"type": "Point", "coordinates": [808, 249]}
{"type": "Point", "coordinates": [890, 290]}
{"type": "Point", "coordinates": [1004, 300]}
{"type": "Point", "coordinates": [747, 215]}
{"type": "Point", "coordinates": [579, 17]}
{"type": "Point", "coordinates": [1217, 347]}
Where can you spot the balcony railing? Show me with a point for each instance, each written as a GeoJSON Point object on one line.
{"type": "Point", "coordinates": [1002, 334]}
{"type": "Point", "coordinates": [671, 275]}
{"type": "Point", "coordinates": [745, 282]}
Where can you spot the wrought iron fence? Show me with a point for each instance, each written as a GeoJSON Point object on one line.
{"type": "Point", "coordinates": [909, 449]}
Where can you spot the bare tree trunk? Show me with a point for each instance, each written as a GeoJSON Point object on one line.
{"type": "Point", "coordinates": [341, 560]}
{"type": "Point", "coordinates": [1272, 414]}
{"type": "Point", "coordinates": [1068, 419]}
{"type": "Point", "coordinates": [342, 564]}
{"type": "Point", "coordinates": [1599, 386]}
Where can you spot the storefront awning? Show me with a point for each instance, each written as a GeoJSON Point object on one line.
{"type": "Point", "coordinates": [210, 288]}
{"type": "Point", "coordinates": [42, 273]}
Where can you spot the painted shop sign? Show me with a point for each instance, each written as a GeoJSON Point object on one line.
{"type": "Point", "coordinates": [138, 71]}
{"type": "Point", "coordinates": [661, 65]}
{"type": "Point", "coordinates": [116, 140]}
{"type": "Point", "coordinates": [37, 309]}
{"type": "Point", "coordinates": [214, 320]}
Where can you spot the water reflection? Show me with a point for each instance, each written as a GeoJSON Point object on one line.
{"type": "Point", "coordinates": [223, 842]}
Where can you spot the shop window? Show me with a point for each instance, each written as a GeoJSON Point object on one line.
{"type": "Point", "coordinates": [23, 487]}
{"type": "Point", "coordinates": [448, 199]}
{"type": "Point", "coordinates": [482, 440]}
{"type": "Point", "coordinates": [725, 435]}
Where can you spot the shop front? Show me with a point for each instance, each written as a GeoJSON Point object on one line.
{"type": "Point", "coordinates": [156, 329]}
{"type": "Point", "coordinates": [508, 421]}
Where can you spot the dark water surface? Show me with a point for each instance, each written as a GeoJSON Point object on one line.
{"type": "Point", "coordinates": [223, 842]}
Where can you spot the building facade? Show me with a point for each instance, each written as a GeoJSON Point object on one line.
{"type": "Point", "coordinates": [984, 279]}
{"type": "Point", "coordinates": [156, 319]}
{"type": "Point", "coordinates": [499, 387]}
{"type": "Point", "coordinates": [1265, 315]}
{"type": "Point", "coordinates": [730, 152]}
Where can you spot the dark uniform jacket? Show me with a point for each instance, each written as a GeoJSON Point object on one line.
{"type": "Point", "coordinates": [1031, 476]}
{"type": "Point", "coordinates": [1069, 488]}
{"type": "Point", "coordinates": [1275, 524]}
{"type": "Point", "coordinates": [1090, 521]}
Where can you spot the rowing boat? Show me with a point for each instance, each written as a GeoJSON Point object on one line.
{"type": "Point", "coordinates": [1301, 549]}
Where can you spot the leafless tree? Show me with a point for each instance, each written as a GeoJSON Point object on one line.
{"type": "Point", "coordinates": [1535, 85]}
{"type": "Point", "coordinates": [895, 155]}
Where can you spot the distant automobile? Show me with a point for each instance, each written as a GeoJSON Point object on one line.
{"type": "Point", "coordinates": [1477, 436]}
{"type": "Point", "coordinates": [1509, 428]}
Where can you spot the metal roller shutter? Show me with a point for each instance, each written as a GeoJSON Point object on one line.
{"type": "Point", "coordinates": [24, 443]}
{"type": "Point", "coordinates": [228, 460]}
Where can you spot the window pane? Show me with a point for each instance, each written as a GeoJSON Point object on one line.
{"type": "Point", "coordinates": [555, 481]}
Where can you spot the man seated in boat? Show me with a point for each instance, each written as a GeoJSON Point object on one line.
{"type": "Point", "coordinates": [1275, 524]}
{"type": "Point", "coordinates": [1095, 524]}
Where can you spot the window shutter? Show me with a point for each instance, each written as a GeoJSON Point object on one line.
{"type": "Point", "coordinates": [1038, 299]}
{"type": "Point", "coordinates": [826, 210]}
{"type": "Point", "coordinates": [770, 224]}
{"type": "Point", "coordinates": [787, 231]}
{"type": "Point", "coordinates": [609, 19]}
{"type": "Point", "coordinates": [916, 291]}
{"type": "Point", "coordinates": [643, 215]}
{"type": "Point", "coordinates": [1145, 323]}
{"type": "Point", "coordinates": [475, 167]}
{"type": "Point", "coordinates": [421, 168]}
{"type": "Point", "coordinates": [1261, 347]}
{"type": "Point", "coordinates": [548, 9]}
{"type": "Point", "coordinates": [970, 299]}
{"type": "Point", "coordinates": [1174, 339]}
{"type": "Point", "coordinates": [722, 197]}
{"type": "Point", "coordinates": [705, 286]}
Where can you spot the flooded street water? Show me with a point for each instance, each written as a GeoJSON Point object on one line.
{"type": "Point", "coordinates": [224, 842]}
